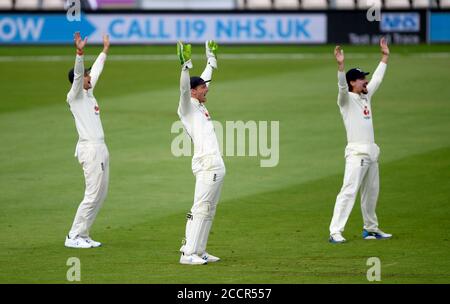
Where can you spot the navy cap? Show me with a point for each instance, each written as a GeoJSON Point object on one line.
{"type": "Point", "coordinates": [196, 81]}
{"type": "Point", "coordinates": [355, 73]}
{"type": "Point", "coordinates": [72, 74]}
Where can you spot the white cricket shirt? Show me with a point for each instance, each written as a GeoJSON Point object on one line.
{"type": "Point", "coordinates": [83, 104]}
{"type": "Point", "coordinates": [198, 124]}
{"type": "Point", "coordinates": [356, 109]}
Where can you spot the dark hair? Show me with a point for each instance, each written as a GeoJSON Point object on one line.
{"type": "Point", "coordinates": [354, 74]}
{"type": "Point", "coordinates": [350, 87]}
{"type": "Point", "coordinates": [71, 74]}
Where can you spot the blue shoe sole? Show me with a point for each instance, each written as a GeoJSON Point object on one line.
{"type": "Point", "coordinates": [373, 236]}
{"type": "Point", "coordinates": [334, 242]}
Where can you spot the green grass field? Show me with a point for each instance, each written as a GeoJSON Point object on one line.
{"type": "Point", "coordinates": [272, 223]}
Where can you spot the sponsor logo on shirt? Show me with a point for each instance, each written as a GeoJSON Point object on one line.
{"type": "Point", "coordinates": [207, 115]}
{"type": "Point", "coordinates": [97, 110]}
{"type": "Point", "coordinates": [366, 113]}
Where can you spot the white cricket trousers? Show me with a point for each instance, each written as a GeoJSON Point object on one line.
{"type": "Point", "coordinates": [361, 173]}
{"type": "Point", "coordinates": [94, 158]}
{"type": "Point", "coordinates": [208, 187]}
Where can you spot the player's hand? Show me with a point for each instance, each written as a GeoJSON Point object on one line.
{"type": "Point", "coordinates": [79, 43]}
{"type": "Point", "coordinates": [183, 52]}
{"type": "Point", "coordinates": [384, 47]}
{"type": "Point", "coordinates": [106, 43]}
{"type": "Point", "coordinates": [211, 53]}
{"type": "Point", "coordinates": [339, 54]}
{"type": "Point", "coordinates": [211, 48]}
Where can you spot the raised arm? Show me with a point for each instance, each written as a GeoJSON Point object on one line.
{"type": "Point", "coordinates": [184, 54]}
{"type": "Point", "coordinates": [378, 75]}
{"type": "Point", "coordinates": [342, 81]}
{"type": "Point", "coordinates": [211, 56]}
{"type": "Point", "coordinates": [78, 79]}
{"type": "Point", "coordinates": [97, 67]}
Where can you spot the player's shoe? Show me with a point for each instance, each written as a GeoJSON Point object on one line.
{"type": "Point", "coordinates": [378, 235]}
{"type": "Point", "coordinates": [77, 242]}
{"type": "Point", "coordinates": [192, 259]}
{"type": "Point", "coordinates": [92, 242]}
{"type": "Point", "coordinates": [210, 258]}
{"type": "Point", "coordinates": [336, 238]}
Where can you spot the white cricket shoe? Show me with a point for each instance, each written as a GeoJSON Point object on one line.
{"type": "Point", "coordinates": [210, 258]}
{"type": "Point", "coordinates": [376, 235]}
{"type": "Point", "coordinates": [77, 242]}
{"type": "Point", "coordinates": [92, 242]}
{"type": "Point", "coordinates": [192, 259]}
{"type": "Point", "coordinates": [337, 238]}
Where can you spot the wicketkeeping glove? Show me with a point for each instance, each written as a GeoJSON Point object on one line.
{"type": "Point", "coordinates": [211, 52]}
{"type": "Point", "coordinates": [184, 54]}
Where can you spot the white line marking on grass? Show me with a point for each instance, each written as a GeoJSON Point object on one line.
{"type": "Point", "coordinates": [246, 56]}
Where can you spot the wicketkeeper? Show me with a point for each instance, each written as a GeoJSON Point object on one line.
{"type": "Point", "coordinates": [207, 163]}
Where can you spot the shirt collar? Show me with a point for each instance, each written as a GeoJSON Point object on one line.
{"type": "Point", "coordinates": [196, 101]}
{"type": "Point", "coordinates": [362, 96]}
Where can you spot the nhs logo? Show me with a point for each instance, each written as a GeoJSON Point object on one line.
{"type": "Point", "coordinates": [400, 22]}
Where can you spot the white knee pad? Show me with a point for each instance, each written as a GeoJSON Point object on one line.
{"type": "Point", "coordinates": [203, 209]}
{"type": "Point", "coordinates": [198, 225]}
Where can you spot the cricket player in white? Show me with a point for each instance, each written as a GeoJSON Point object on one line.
{"type": "Point", "coordinates": [361, 153]}
{"type": "Point", "coordinates": [91, 149]}
{"type": "Point", "coordinates": [207, 163]}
